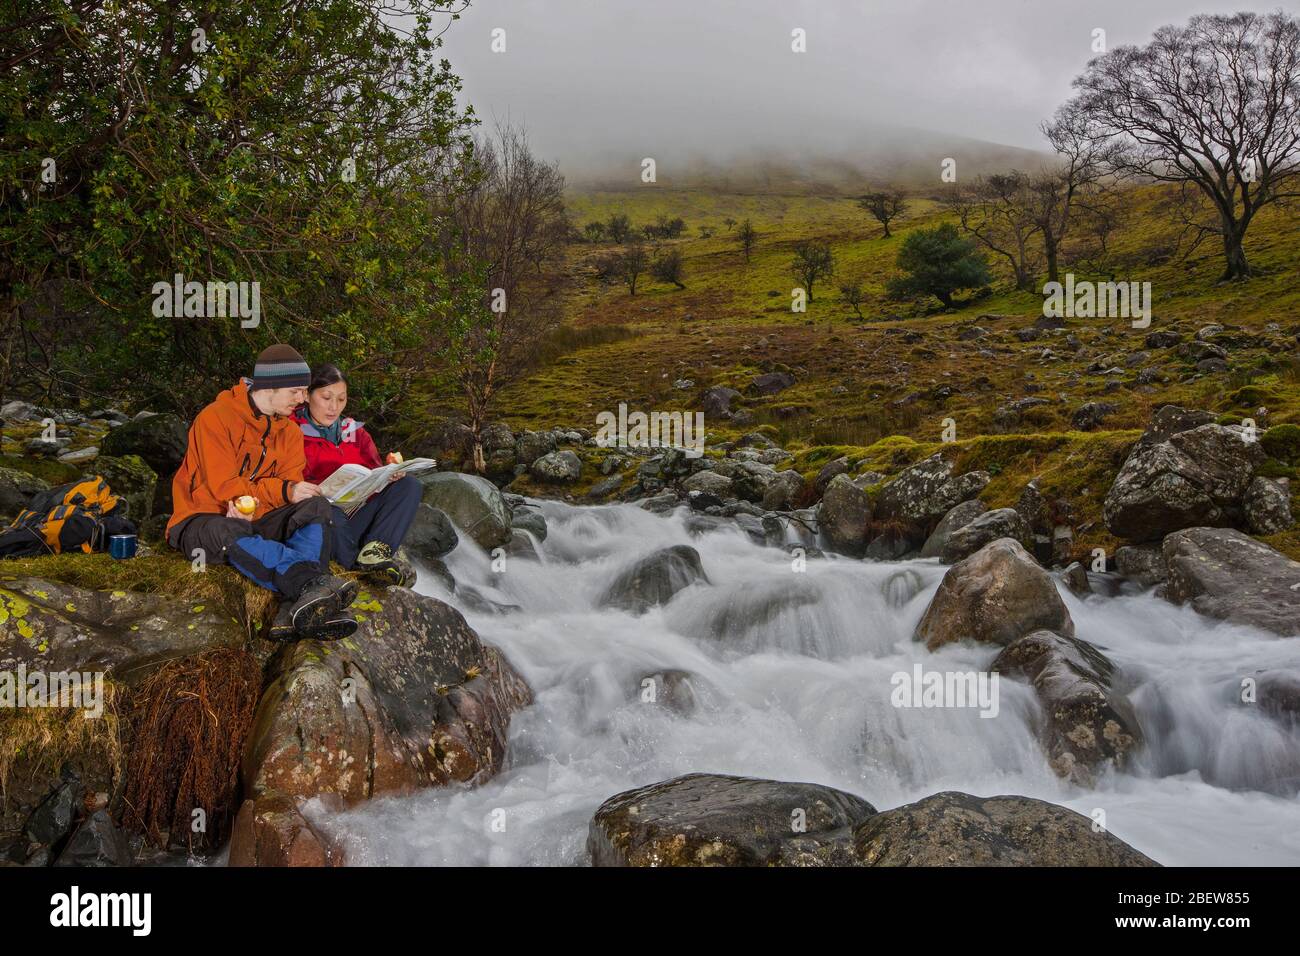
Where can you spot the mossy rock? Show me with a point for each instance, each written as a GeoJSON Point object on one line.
{"type": "Point", "coordinates": [1283, 443]}
{"type": "Point", "coordinates": [132, 479]}
{"type": "Point", "coordinates": [16, 489]}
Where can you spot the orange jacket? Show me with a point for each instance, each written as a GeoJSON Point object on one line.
{"type": "Point", "coordinates": [236, 450]}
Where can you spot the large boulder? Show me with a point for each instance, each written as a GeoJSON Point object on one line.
{"type": "Point", "coordinates": [557, 467]}
{"type": "Point", "coordinates": [159, 439]}
{"type": "Point", "coordinates": [957, 517]}
{"type": "Point", "coordinates": [749, 479]}
{"type": "Point", "coordinates": [926, 491]}
{"type": "Point", "coordinates": [996, 595]}
{"type": "Point", "coordinates": [1087, 725]}
{"type": "Point", "coordinates": [770, 383]}
{"type": "Point", "coordinates": [985, 529]}
{"type": "Point", "coordinates": [474, 504]}
{"type": "Point", "coordinates": [1194, 477]}
{"type": "Point", "coordinates": [498, 449]}
{"type": "Point", "coordinates": [131, 478]}
{"type": "Point", "coordinates": [16, 489]}
{"type": "Point", "coordinates": [1143, 563]}
{"type": "Point", "coordinates": [843, 517]}
{"type": "Point", "coordinates": [1229, 575]}
{"type": "Point", "coordinates": [717, 400]}
{"type": "Point", "coordinates": [413, 699]}
{"type": "Point", "coordinates": [51, 626]}
{"type": "Point", "coordinates": [705, 819]}
{"type": "Point", "coordinates": [654, 579]}
{"type": "Point", "coordinates": [783, 491]}
{"type": "Point", "coordinates": [708, 482]}
{"type": "Point", "coordinates": [958, 829]}
{"type": "Point", "coordinates": [529, 446]}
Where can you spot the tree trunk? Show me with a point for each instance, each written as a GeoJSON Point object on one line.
{"type": "Point", "coordinates": [1049, 246]}
{"type": "Point", "coordinates": [885, 223]}
{"type": "Point", "coordinates": [1234, 253]}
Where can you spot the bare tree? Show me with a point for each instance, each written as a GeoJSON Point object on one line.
{"type": "Point", "coordinates": [885, 206]}
{"type": "Point", "coordinates": [1214, 105]}
{"type": "Point", "coordinates": [618, 227]}
{"type": "Point", "coordinates": [512, 225]}
{"type": "Point", "coordinates": [853, 296]}
{"type": "Point", "coordinates": [625, 266]}
{"type": "Point", "coordinates": [1056, 194]}
{"type": "Point", "coordinates": [812, 262]}
{"type": "Point", "coordinates": [997, 211]}
{"type": "Point", "coordinates": [747, 236]}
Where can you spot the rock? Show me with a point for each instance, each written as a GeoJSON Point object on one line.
{"type": "Point", "coordinates": [654, 579]}
{"type": "Point", "coordinates": [896, 542]}
{"type": "Point", "coordinates": [530, 446]}
{"type": "Point", "coordinates": [771, 383]}
{"type": "Point", "coordinates": [670, 689]}
{"type": "Point", "coordinates": [1087, 725]}
{"type": "Point", "coordinates": [51, 626]}
{"type": "Point", "coordinates": [1195, 477]}
{"type": "Point", "coordinates": [1034, 509]}
{"type": "Point", "coordinates": [1162, 339]}
{"type": "Point", "coordinates": [1076, 579]}
{"type": "Point", "coordinates": [749, 479]}
{"type": "Point", "coordinates": [957, 829]}
{"type": "Point", "coordinates": [705, 819]}
{"type": "Point", "coordinates": [17, 488]}
{"type": "Point", "coordinates": [982, 530]}
{"type": "Point", "coordinates": [271, 831]}
{"type": "Point", "coordinates": [412, 699]}
{"type": "Point", "coordinates": [97, 842]}
{"type": "Point", "coordinates": [498, 448]}
{"type": "Point", "coordinates": [1230, 576]}
{"type": "Point", "coordinates": [843, 517]}
{"type": "Point", "coordinates": [431, 534]}
{"type": "Point", "coordinates": [521, 545]}
{"type": "Point", "coordinates": [960, 516]}
{"type": "Point", "coordinates": [708, 482]}
{"type": "Point", "coordinates": [1091, 414]}
{"type": "Point", "coordinates": [1267, 504]}
{"type": "Point", "coordinates": [528, 518]}
{"type": "Point", "coordinates": [159, 439]}
{"type": "Point", "coordinates": [927, 491]}
{"type": "Point", "coordinates": [1012, 413]}
{"type": "Point", "coordinates": [473, 504]}
{"type": "Point", "coordinates": [604, 488]}
{"type": "Point", "coordinates": [1062, 544]}
{"type": "Point", "coordinates": [1144, 564]}
{"type": "Point", "coordinates": [131, 478]}
{"type": "Point", "coordinates": [1169, 420]}
{"type": "Point", "coordinates": [716, 402]}
{"type": "Point", "coordinates": [995, 596]}
{"type": "Point", "coordinates": [45, 448]}
{"type": "Point", "coordinates": [81, 456]}
{"type": "Point", "coordinates": [838, 466]}
{"type": "Point", "coordinates": [557, 467]}
{"type": "Point", "coordinates": [53, 819]}
{"type": "Point", "coordinates": [783, 491]}
{"type": "Point", "coordinates": [18, 412]}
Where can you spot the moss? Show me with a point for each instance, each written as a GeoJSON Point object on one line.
{"type": "Point", "coordinates": [1283, 443]}
{"type": "Point", "coordinates": [50, 470]}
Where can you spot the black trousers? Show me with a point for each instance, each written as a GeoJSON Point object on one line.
{"type": "Point", "coordinates": [281, 551]}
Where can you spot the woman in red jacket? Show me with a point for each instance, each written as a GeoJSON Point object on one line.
{"type": "Point", "coordinates": [368, 539]}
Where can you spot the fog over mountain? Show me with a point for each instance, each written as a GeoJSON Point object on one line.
{"type": "Point", "coordinates": [711, 88]}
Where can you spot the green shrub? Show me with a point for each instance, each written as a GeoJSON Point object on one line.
{"type": "Point", "coordinates": [1283, 443]}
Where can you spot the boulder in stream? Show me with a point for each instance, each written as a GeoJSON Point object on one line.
{"type": "Point", "coordinates": [654, 579]}
{"type": "Point", "coordinates": [1228, 575]}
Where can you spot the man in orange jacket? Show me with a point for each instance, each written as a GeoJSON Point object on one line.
{"type": "Point", "coordinates": [245, 452]}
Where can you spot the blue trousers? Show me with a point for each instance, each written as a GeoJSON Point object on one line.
{"type": "Point", "coordinates": [386, 517]}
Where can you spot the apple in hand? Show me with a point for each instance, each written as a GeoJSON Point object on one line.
{"type": "Point", "coordinates": [245, 504]}
{"type": "Point", "coordinates": [394, 458]}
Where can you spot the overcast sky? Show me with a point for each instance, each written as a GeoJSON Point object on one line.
{"type": "Point", "coordinates": [595, 78]}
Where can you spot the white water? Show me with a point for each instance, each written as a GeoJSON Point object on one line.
{"type": "Point", "coordinates": [805, 695]}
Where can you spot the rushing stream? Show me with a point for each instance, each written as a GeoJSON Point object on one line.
{"type": "Point", "coordinates": [792, 678]}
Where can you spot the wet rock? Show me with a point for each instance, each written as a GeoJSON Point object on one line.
{"type": "Point", "coordinates": [749, 479]}
{"type": "Point", "coordinates": [996, 595]}
{"type": "Point", "coordinates": [530, 519]}
{"type": "Point", "coordinates": [604, 488]}
{"type": "Point", "coordinates": [709, 482]}
{"type": "Point", "coordinates": [1087, 725]}
{"type": "Point", "coordinates": [958, 517]}
{"type": "Point", "coordinates": [1267, 505]}
{"type": "Point", "coordinates": [1144, 564]}
{"type": "Point", "coordinates": [270, 830]}
{"type": "Point", "coordinates": [982, 530]}
{"type": "Point", "coordinates": [473, 504]}
{"type": "Point", "coordinates": [97, 843]}
{"type": "Point", "coordinates": [1195, 477]}
{"type": "Point", "coordinates": [431, 535]}
{"type": "Point", "coordinates": [1075, 578]}
{"type": "Point", "coordinates": [783, 491]}
{"type": "Point", "coordinates": [654, 579]}
{"type": "Point", "coordinates": [896, 542]}
{"type": "Point", "coordinates": [558, 467]}
{"type": "Point", "coordinates": [843, 516]}
{"type": "Point", "coordinates": [957, 829]}
{"type": "Point", "coordinates": [705, 819]}
{"type": "Point", "coordinates": [1228, 575]}
{"type": "Point", "coordinates": [926, 491]}
{"type": "Point", "coordinates": [671, 689]}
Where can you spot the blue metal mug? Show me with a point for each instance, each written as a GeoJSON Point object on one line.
{"type": "Point", "coordinates": [122, 546]}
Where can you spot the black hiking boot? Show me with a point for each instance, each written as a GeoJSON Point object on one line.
{"type": "Point", "coordinates": [321, 610]}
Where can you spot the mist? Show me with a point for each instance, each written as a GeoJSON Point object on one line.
{"type": "Point", "coordinates": [883, 86]}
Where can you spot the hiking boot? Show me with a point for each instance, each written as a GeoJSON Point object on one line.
{"type": "Point", "coordinates": [319, 609]}
{"type": "Point", "coordinates": [382, 567]}
{"type": "Point", "coordinates": [332, 627]}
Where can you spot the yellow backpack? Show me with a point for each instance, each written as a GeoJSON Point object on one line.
{"type": "Point", "coordinates": [70, 516]}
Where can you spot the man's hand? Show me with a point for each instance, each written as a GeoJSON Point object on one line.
{"type": "Point", "coordinates": [302, 490]}
{"type": "Point", "coordinates": [233, 512]}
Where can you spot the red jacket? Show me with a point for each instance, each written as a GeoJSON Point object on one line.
{"type": "Point", "coordinates": [324, 457]}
